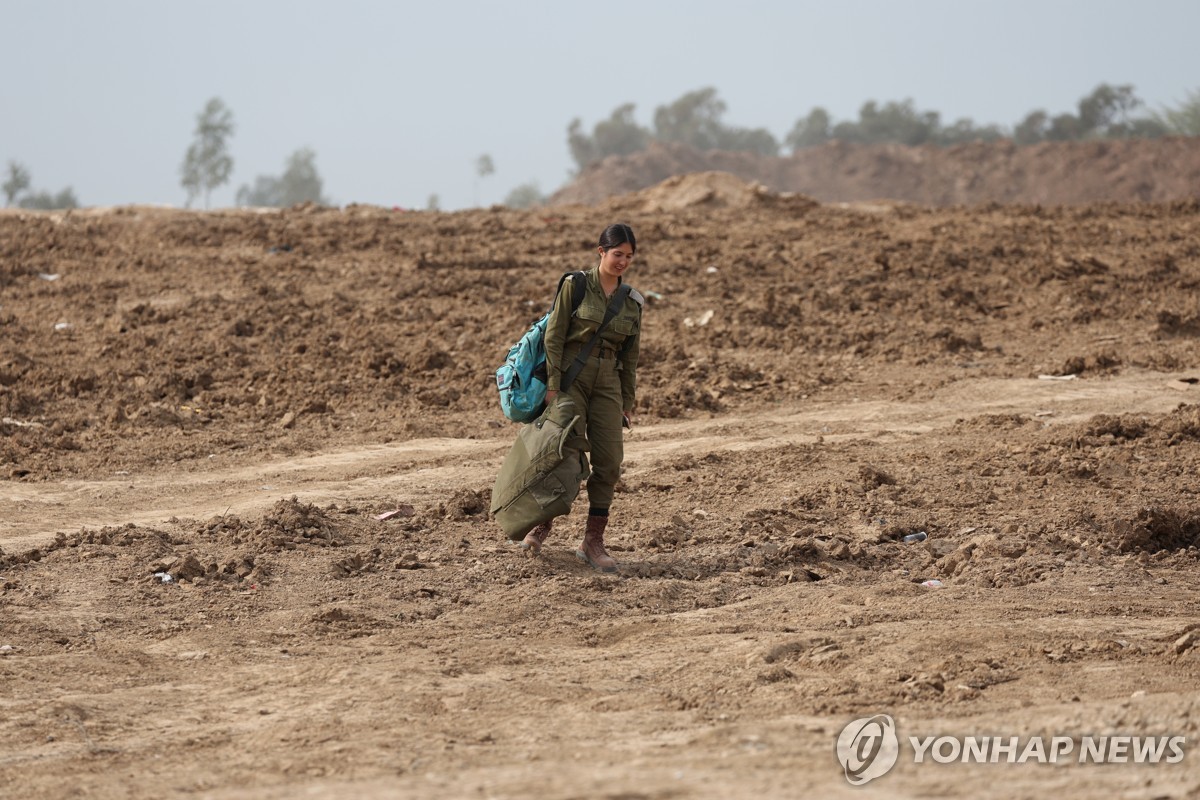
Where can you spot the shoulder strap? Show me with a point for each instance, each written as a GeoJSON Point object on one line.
{"type": "Point", "coordinates": [578, 288]}
{"type": "Point", "coordinates": [614, 306]}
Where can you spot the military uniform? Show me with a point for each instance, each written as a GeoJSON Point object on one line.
{"type": "Point", "coordinates": [607, 385]}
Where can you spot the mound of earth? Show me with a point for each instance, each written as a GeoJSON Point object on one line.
{"type": "Point", "coordinates": [1050, 173]}
{"type": "Point", "coordinates": [703, 190]}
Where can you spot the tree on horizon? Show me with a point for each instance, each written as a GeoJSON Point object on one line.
{"type": "Point", "coordinates": [17, 182]}
{"type": "Point", "coordinates": [299, 183]}
{"type": "Point", "coordinates": [207, 163]}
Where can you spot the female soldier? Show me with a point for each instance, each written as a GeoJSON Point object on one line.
{"type": "Point", "coordinates": [605, 389]}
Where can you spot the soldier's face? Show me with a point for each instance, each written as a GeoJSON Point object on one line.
{"type": "Point", "coordinates": [616, 260]}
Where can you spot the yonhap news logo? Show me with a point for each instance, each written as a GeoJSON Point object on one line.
{"type": "Point", "coordinates": [869, 747]}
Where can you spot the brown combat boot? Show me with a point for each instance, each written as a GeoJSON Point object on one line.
{"type": "Point", "coordinates": [532, 543]}
{"type": "Point", "coordinates": [592, 550]}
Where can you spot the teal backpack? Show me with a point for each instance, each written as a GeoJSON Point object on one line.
{"type": "Point", "coordinates": [521, 380]}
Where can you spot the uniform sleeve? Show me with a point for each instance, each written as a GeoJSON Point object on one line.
{"type": "Point", "coordinates": [556, 334]}
{"type": "Point", "coordinates": [629, 363]}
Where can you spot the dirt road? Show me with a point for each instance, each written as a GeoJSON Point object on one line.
{"type": "Point", "coordinates": [425, 470]}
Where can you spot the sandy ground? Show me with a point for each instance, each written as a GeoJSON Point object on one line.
{"type": "Point", "coordinates": [240, 396]}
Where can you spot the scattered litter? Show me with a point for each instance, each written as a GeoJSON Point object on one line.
{"type": "Point", "coordinates": [701, 321]}
{"type": "Point", "coordinates": [919, 536]}
{"type": "Point", "coordinates": [1043, 414]}
{"type": "Point", "coordinates": [164, 577]}
{"type": "Point", "coordinates": [654, 295]}
{"type": "Point", "coordinates": [711, 270]}
{"type": "Point", "coordinates": [63, 326]}
{"type": "Point", "coordinates": [6, 649]}
{"type": "Point", "coordinates": [49, 276]}
{"type": "Point", "coordinates": [1057, 377]}
{"type": "Point", "coordinates": [402, 511]}
{"type": "Point", "coordinates": [965, 531]}
{"type": "Point", "coordinates": [17, 423]}
{"type": "Point", "coordinates": [932, 584]}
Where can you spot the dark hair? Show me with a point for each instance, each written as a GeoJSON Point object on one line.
{"type": "Point", "coordinates": [618, 233]}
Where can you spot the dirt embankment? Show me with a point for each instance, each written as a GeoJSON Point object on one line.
{"type": "Point", "coordinates": [1052, 173]}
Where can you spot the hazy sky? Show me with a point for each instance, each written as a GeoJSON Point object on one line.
{"type": "Point", "coordinates": [398, 99]}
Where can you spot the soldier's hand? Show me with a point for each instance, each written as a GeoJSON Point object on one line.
{"type": "Point", "coordinates": [626, 420]}
{"type": "Point", "coordinates": [550, 395]}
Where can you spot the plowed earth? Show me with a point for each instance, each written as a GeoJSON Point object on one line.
{"type": "Point", "coordinates": [232, 399]}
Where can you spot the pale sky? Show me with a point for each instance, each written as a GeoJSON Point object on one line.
{"type": "Point", "coordinates": [398, 99]}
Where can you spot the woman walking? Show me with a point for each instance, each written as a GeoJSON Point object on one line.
{"type": "Point", "coordinates": [605, 389]}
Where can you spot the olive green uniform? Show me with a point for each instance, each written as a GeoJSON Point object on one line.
{"type": "Point", "coordinates": [607, 386]}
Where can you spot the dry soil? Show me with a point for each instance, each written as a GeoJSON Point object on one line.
{"type": "Point", "coordinates": [233, 399]}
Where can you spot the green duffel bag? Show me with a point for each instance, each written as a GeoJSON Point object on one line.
{"type": "Point", "coordinates": [540, 476]}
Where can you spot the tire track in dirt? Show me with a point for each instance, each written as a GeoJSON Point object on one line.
{"type": "Point", "coordinates": [425, 470]}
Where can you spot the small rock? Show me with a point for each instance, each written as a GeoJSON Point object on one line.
{"type": "Point", "coordinates": [288, 420]}
{"type": "Point", "coordinates": [186, 569]}
{"type": "Point", "coordinates": [839, 551]}
{"type": "Point", "coordinates": [1185, 642]}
